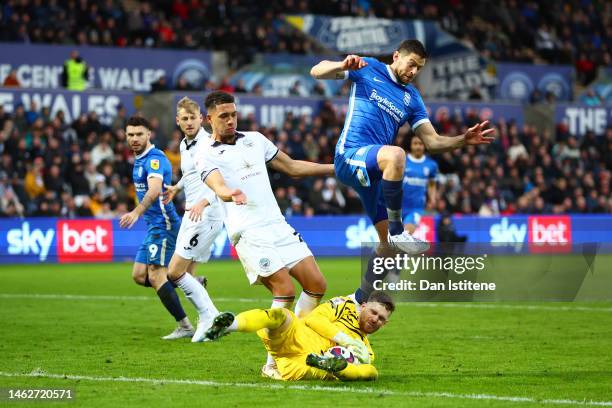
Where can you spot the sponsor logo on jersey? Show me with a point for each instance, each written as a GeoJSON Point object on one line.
{"type": "Point", "coordinates": [388, 106]}
{"type": "Point", "coordinates": [155, 164]}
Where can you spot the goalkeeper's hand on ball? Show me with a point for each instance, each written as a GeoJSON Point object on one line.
{"type": "Point", "coordinates": [357, 347]}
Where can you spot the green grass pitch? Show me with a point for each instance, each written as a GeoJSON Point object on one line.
{"type": "Point", "coordinates": [104, 342]}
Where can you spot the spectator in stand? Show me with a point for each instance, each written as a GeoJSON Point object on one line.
{"type": "Point", "coordinates": [11, 80]}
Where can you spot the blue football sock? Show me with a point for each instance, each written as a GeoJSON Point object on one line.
{"type": "Point", "coordinates": [363, 293]}
{"type": "Point", "coordinates": [167, 295]}
{"type": "Point", "coordinates": [392, 193]}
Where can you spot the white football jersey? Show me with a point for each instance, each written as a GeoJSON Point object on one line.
{"type": "Point", "coordinates": [195, 189]}
{"type": "Point", "coordinates": [243, 166]}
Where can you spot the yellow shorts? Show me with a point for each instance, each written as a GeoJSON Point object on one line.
{"type": "Point", "coordinates": [290, 348]}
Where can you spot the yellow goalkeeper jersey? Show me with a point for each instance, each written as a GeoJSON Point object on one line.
{"type": "Point", "coordinates": [339, 313]}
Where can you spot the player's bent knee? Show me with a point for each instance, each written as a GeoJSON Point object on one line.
{"type": "Point", "coordinates": [392, 154]}
{"type": "Point", "coordinates": [157, 275]}
{"type": "Point", "coordinates": [139, 274]}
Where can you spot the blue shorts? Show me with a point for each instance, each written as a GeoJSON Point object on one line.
{"type": "Point", "coordinates": [357, 167]}
{"type": "Point", "coordinates": [413, 215]}
{"type": "Point", "coordinates": [158, 247]}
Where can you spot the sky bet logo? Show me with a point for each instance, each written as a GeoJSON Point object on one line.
{"type": "Point", "coordinates": [77, 241]}
{"type": "Point", "coordinates": [544, 234]}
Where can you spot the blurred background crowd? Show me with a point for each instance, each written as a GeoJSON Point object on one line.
{"type": "Point", "coordinates": [51, 168]}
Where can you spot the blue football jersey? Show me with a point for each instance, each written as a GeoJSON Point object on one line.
{"type": "Point", "coordinates": [154, 163]}
{"type": "Point", "coordinates": [378, 107]}
{"type": "Point", "coordinates": [417, 174]}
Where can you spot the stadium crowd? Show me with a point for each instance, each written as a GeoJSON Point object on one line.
{"type": "Point", "coordinates": [567, 31]}
{"type": "Point", "coordinates": [49, 167]}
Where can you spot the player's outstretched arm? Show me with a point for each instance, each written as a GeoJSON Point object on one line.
{"type": "Point", "coordinates": [335, 69]}
{"type": "Point", "coordinates": [154, 188]}
{"type": "Point", "coordinates": [215, 181]}
{"type": "Point", "coordinates": [300, 168]}
{"type": "Point", "coordinates": [434, 143]}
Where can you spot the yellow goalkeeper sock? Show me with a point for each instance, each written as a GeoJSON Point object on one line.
{"type": "Point", "coordinates": [257, 319]}
{"type": "Point", "coordinates": [361, 372]}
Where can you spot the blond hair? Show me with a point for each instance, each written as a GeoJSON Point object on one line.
{"type": "Point", "coordinates": [188, 104]}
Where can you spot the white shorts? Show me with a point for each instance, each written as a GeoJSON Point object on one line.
{"type": "Point", "coordinates": [195, 239]}
{"type": "Point", "coordinates": [265, 250]}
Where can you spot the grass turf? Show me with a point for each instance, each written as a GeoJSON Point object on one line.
{"type": "Point", "coordinates": [429, 355]}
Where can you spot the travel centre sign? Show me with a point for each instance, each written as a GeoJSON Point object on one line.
{"type": "Point", "coordinates": [113, 69]}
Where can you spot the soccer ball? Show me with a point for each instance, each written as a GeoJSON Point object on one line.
{"type": "Point", "coordinates": [343, 352]}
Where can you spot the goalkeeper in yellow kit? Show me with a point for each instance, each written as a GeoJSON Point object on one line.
{"type": "Point", "coordinates": [298, 345]}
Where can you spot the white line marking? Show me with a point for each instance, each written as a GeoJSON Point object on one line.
{"type": "Point", "coordinates": [60, 296]}
{"type": "Point", "coordinates": [342, 389]}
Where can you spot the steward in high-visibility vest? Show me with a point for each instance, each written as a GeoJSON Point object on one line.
{"type": "Point", "coordinates": [75, 73]}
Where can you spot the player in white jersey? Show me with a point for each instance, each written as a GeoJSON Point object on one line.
{"type": "Point", "coordinates": [201, 223]}
{"type": "Point", "coordinates": [270, 250]}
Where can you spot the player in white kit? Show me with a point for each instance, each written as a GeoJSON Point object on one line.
{"type": "Point", "coordinates": [270, 250]}
{"type": "Point", "coordinates": [201, 223]}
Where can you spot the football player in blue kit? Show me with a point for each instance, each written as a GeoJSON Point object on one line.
{"type": "Point", "coordinates": [419, 184]}
{"type": "Point", "coordinates": [151, 171]}
{"type": "Point", "coordinates": [381, 101]}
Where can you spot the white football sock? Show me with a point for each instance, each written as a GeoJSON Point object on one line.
{"type": "Point", "coordinates": [197, 294]}
{"type": "Point", "coordinates": [306, 303]}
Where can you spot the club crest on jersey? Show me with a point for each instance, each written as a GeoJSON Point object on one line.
{"type": "Point", "coordinates": [406, 98]}
{"type": "Point", "coordinates": [426, 171]}
{"type": "Point", "coordinates": [155, 164]}
{"type": "Point", "coordinates": [264, 264]}
{"type": "Point", "coordinates": [140, 170]}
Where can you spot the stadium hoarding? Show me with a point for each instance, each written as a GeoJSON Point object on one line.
{"type": "Point", "coordinates": [374, 36]}
{"type": "Point", "coordinates": [111, 68]}
{"type": "Point", "coordinates": [277, 75]}
{"type": "Point", "coordinates": [73, 104]}
{"type": "Point", "coordinates": [583, 118]}
{"type": "Point", "coordinates": [39, 240]}
{"type": "Point", "coordinates": [518, 81]}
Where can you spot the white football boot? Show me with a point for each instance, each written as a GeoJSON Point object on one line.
{"type": "Point", "coordinates": [407, 243]}
{"type": "Point", "coordinates": [200, 333]}
{"type": "Point", "coordinates": [180, 333]}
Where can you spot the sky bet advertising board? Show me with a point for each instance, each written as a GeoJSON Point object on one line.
{"type": "Point", "coordinates": [35, 240]}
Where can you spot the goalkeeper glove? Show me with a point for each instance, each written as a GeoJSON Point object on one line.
{"type": "Point", "coordinates": [357, 347]}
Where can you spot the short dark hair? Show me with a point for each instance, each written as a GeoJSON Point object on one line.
{"type": "Point", "coordinates": [217, 98]}
{"type": "Point", "coordinates": [139, 121]}
{"type": "Point", "coordinates": [414, 46]}
{"type": "Point", "coordinates": [381, 297]}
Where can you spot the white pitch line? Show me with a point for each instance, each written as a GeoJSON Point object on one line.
{"type": "Point", "coordinates": [351, 390]}
{"type": "Point", "coordinates": [61, 296]}
{"type": "Point", "coordinates": [502, 306]}
{"type": "Point", "coordinates": [461, 305]}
